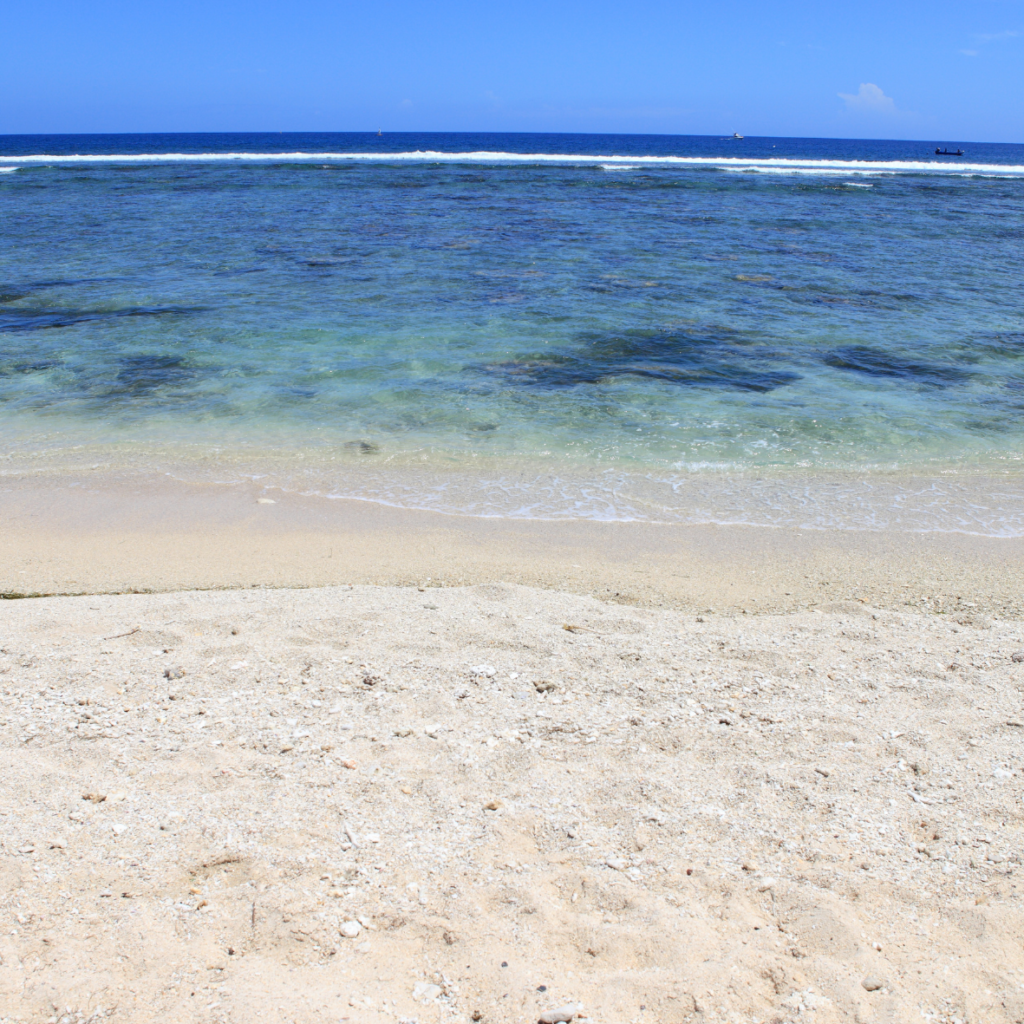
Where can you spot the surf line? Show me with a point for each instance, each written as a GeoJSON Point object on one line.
{"type": "Point", "coordinates": [498, 157]}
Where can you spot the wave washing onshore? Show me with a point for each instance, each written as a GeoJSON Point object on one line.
{"type": "Point", "coordinates": [952, 501]}
{"type": "Point", "coordinates": [991, 509]}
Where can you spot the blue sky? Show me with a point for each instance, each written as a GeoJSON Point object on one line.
{"type": "Point", "coordinates": [939, 70]}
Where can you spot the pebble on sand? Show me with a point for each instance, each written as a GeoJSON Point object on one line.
{"type": "Point", "coordinates": [871, 983]}
{"type": "Point", "coordinates": [424, 992]}
{"type": "Point", "coordinates": [351, 929]}
{"type": "Point", "coordinates": [561, 1015]}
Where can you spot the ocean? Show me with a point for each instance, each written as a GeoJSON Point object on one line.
{"type": "Point", "coordinates": [784, 332]}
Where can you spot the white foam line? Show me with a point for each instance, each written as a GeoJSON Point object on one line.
{"type": "Point", "coordinates": [923, 166]}
{"type": "Point", "coordinates": [819, 171]}
{"type": "Point", "coordinates": [8, 170]}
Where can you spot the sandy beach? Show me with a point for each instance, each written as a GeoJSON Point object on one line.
{"type": "Point", "coordinates": [334, 761]}
{"type": "Point", "coordinates": [509, 517]}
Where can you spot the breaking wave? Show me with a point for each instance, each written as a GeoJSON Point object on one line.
{"type": "Point", "coordinates": [609, 162]}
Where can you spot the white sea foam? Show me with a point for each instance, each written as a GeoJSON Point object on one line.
{"type": "Point", "coordinates": [988, 509]}
{"type": "Point", "coordinates": [8, 170]}
{"type": "Point", "coordinates": [621, 167]}
{"type": "Point", "coordinates": [818, 171]}
{"type": "Point", "coordinates": [582, 159]}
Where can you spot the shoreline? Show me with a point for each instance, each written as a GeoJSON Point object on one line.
{"type": "Point", "coordinates": [985, 500]}
{"type": "Point", "coordinates": [88, 535]}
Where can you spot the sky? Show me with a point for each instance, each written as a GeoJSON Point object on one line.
{"type": "Point", "coordinates": [938, 70]}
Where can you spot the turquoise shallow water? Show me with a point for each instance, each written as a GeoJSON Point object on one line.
{"type": "Point", "coordinates": [800, 332]}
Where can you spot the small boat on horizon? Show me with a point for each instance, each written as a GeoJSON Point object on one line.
{"type": "Point", "coordinates": [946, 152]}
{"type": "Point", "coordinates": [736, 135]}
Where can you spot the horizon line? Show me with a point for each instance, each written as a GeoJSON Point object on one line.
{"type": "Point", "coordinates": [620, 134]}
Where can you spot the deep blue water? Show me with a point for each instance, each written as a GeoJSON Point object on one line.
{"type": "Point", "coordinates": [614, 326]}
{"type": "Point", "coordinates": [534, 142]}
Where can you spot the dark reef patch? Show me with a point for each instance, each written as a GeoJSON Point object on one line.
{"type": "Point", "coordinates": [873, 363]}
{"type": "Point", "coordinates": [47, 319]}
{"type": "Point", "coordinates": [9, 369]}
{"type": "Point", "coordinates": [1008, 345]}
{"type": "Point", "coordinates": [873, 300]}
{"type": "Point", "coordinates": [16, 292]}
{"type": "Point", "coordinates": [683, 357]}
{"type": "Point", "coordinates": [139, 375]}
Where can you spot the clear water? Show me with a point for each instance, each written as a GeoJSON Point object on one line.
{"type": "Point", "coordinates": [796, 332]}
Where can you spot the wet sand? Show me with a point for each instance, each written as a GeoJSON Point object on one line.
{"type": "Point", "coordinates": [88, 535]}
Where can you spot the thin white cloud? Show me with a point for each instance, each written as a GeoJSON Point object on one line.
{"type": "Point", "coordinates": [983, 38]}
{"type": "Point", "coordinates": [991, 37]}
{"type": "Point", "coordinates": [869, 99]}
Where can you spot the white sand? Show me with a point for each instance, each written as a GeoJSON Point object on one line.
{"type": "Point", "coordinates": [740, 819]}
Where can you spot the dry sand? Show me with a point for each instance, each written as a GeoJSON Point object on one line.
{"type": "Point", "coordinates": [386, 804]}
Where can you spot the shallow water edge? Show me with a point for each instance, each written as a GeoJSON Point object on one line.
{"type": "Point", "coordinates": [101, 534]}
{"type": "Point", "coordinates": [949, 500]}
